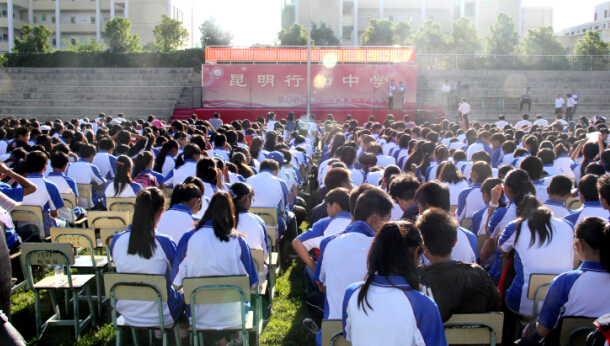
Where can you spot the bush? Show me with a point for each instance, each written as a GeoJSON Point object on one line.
{"type": "Point", "coordinates": [188, 58]}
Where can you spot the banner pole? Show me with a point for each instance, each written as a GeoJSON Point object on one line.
{"type": "Point", "coordinates": [308, 57]}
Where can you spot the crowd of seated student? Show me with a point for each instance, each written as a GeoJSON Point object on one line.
{"type": "Point", "coordinates": [381, 220]}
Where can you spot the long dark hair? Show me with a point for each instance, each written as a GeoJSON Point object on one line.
{"type": "Point", "coordinates": [184, 193]}
{"type": "Point", "coordinates": [391, 254]}
{"type": "Point", "coordinates": [172, 144]}
{"type": "Point", "coordinates": [595, 231]}
{"type": "Point", "coordinates": [222, 213]}
{"type": "Point", "coordinates": [206, 170]}
{"type": "Point", "coordinates": [239, 160]}
{"type": "Point", "coordinates": [270, 140]}
{"type": "Point", "coordinates": [142, 236]}
{"type": "Point", "coordinates": [538, 220]}
{"type": "Point", "coordinates": [448, 173]}
{"type": "Point", "coordinates": [427, 149]}
{"type": "Point", "coordinates": [338, 142]}
{"type": "Point", "coordinates": [255, 147]}
{"type": "Point", "coordinates": [239, 191]}
{"type": "Point", "coordinates": [141, 162]}
{"type": "Point", "coordinates": [123, 174]}
{"type": "Point", "coordinates": [589, 151]}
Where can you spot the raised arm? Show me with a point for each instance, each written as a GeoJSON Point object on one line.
{"type": "Point", "coordinates": [28, 187]}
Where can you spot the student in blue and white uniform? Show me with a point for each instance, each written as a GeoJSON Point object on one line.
{"type": "Point", "coordinates": [214, 249]}
{"type": "Point", "coordinates": [582, 292]}
{"type": "Point", "coordinates": [192, 153]}
{"type": "Point", "coordinates": [560, 188]}
{"type": "Point", "coordinates": [471, 200]}
{"type": "Point", "coordinates": [459, 159]}
{"type": "Point", "coordinates": [589, 152]}
{"type": "Point", "coordinates": [387, 307]}
{"type": "Point", "coordinates": [479, 218]}
{"type": "Point", "coordinates": [143, 250]}
{"type": "Point", "coordinates": [59, 162]}
{"type": "Point", "coordinates": [382, 160]}
{"type": "Point", "coordinates": [436, 195]}
{"type": "Point", "coordinates": [104, 160]}
{"type": "Point", "coordinates": [448, 174]}
{"type": "Point", "coordinates": [548, 160]}
{"type": "Point", "coordinates": [122, 185]}
{"type": "Point", "coordinates": [180, 217]}
{"type": "Point", "coordinates": [589, 196]}
{"type": "Point", "coordinates": [83, 172]}
{"type": "Point", "coordinates": [248, 224]}
{"type": "Point", "coordinates": [552, 239]}
{"type": "Point", "coordinates": [441, 155]}
{"type": "Point", "coordinates": [219, 147]}
{"type": "Point", "coordinates": [165, 161]}
{"type": "Point", "coordinates": [348, 157]}
{"type": "Point", "coordinates": [143, 164]}
{"type": "Point", "coordinates": [563, 161]}
{"type": "Point", "coordinates": [343, 257]}
{"type": "Point", "coordinates": [534, 168]}
{"type": "Point", "coordinates": [402, 148]}
{"type": "Point", "coordinates": [483, 143]}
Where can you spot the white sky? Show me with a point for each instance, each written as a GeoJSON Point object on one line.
{"type": "Point", "coordinates": [258, 21]}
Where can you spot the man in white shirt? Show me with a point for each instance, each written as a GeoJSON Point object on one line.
{"type": "Point", "coordinates": [501, 122]}
{"type": "Point", "coordinates": [524, 122]}
{"type": "Point", "coordinates": [391, 88]}
{"type": "Point", "coordinates": [526, 97]}
{"type": "Point", "coordinates": [464, 108]}
{"type": "Point", "coordinates": [559, 119]}
{"type": "Point", "coordinates": [446, 89]}
{"type": "Point", "coordinates": [575, 97]}
{"type": "Point", "coordinates": [541, 122]}
{"type": "Point", "coordinates": [570, 108]}
{"type": "Point", "coordinates": [559, 102]}
{"type": "Point", "coordinates": [118, 120]}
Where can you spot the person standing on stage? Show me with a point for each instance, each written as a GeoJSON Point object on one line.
{"type": "Point", "coordinates": [391, 87]}
{"type": "Point", "coordinates": [403, 89]}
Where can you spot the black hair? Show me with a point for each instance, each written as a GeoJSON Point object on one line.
{"type": "Point", "coordinates": [538, 220]}
{"type": "Point", "coordinates": [404, 187]}
{"type": "Point", "coordinates": [447, 172]}
{"type": "Point", "coordinates": [141, 162]}
{"type": "Point", "coordinates": [142, 237]}
{"type": "Point", "coordinates": [169, 145]}
{"type": "Point", "coordinates": [353, 197]}
{"type": "Point", "coordinates": [603, 185]}
{"type": "Point", "coordinates": [489, 184]}
{"type": "Point", "coordinates": [270, 140]}
{"type": "Point", "coordinates": [433, 194]}
{"type": "Point", "coordinates": [340, 196]}
{"type": "Point", "coordinates": [547, 156]}
{"type": "Point", "coordinates": [59, 160]}
{"type": "Point", "coordinates": [222, 213]}
{"type": "Point", "coordinates": [336, 177]}
{"type": "Point", "coordinates": [587, 186]}
{"type": "Point", "coordinates": [238, 191]}
{"type": "Point", "coordinates": [185, 193]}
{"type": "Point", "coordinates": [560, 185]}
{"type": "Point", "coordinates": [483, 171]}
{"type": "Point", "coordinates": [36, 161]}
{"type": "Point", "coordinates": [206, 170]}
{"type": "Point", "coordinates": [348, 155]}
{"type": "Point", "coordinates": [86, 150]}
{"type": "Point", "coordinates": [123, 174]}
{"type": "Point", "coordinates": [439, 231]}
{"type": "Point", "coordinates": [533, 166]}
{"type": "Point", "coordinates": [589, 152]}
{"type": "Point", "coordinates": [239, 160]}
{"type": "Point", "coordinates": [595, 232]}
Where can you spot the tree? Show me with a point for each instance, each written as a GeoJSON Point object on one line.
{"type": "Point", "coordinates": [213, 35]}
{"type": "Point", "coordinates": [296, 35]}
{"type": "Point", "coordinates": [430, 38]}
{"type": "Point", "coordinates": [119, 38]}
{"type": "Point", "coordinates": [464, 38]}
{"type": "Point", "coordinates": [34, 39]}
{"type": "Point", "coordinates": [542, 41]}
{"type": "Point", "coordinates": [504, 38]}
{"type": "Point", "coordinates": [403, 33]}
{"type": "Point", "coordinates": [170, 35]}
{"type": "Point", "coordinates": [90, 45]}
{"type": "Point", "coordinates": [592, 44]}
{"type": "Point", "coordinates": [379, 33]}
{"type": "Point", "coordinates": [323, 35]}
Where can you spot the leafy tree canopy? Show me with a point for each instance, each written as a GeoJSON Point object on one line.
{"type": "Point", "coordinates": [119, 38]}
{"type": "Point", "coordinates": [213, 35]}
{"type": "Point", "coordinates": [592, 44]}
{"type": "Point", "coordinates": [430, 38]}
{"type": "Point", "coordinates": [542, 41]}
{"type": "Point", "coordinates": [323, 35]}
{"type": "Point", "coordinates": [90, 45]}
{"type": "Point", "coordinates": [296, 35]}
{"type": "Point", "coordinates": [170, 35]}
{"type": "Point", "coordinates": [464, 38]}
{"type": "Point", "coordinates": [34, 39]}
{"type": "Point", "coordinates": [504, 37]}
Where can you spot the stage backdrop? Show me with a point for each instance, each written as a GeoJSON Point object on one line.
{"type": "Point", "coordinates": [285, 86]}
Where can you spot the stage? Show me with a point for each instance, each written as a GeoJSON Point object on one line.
{"type": "Point", "coordinates": [362, 115]}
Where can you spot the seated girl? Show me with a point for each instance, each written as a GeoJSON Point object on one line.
{"type": "Point", "coordinates": [180, 217]}
{"type": "Point", "coordinates": [122, 185]}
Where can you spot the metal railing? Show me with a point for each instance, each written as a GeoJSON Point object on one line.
{"type": "Point", "coordinates": [513, 62]}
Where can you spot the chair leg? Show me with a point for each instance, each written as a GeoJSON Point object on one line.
{"type": "Point", "coordinates": [98, 283]}
{"type": "Point", "coordinates": [134, 336]}
{"type": "Point", "coordinates": [38, 314]}
{"type": "Point", "coordinates": [76, 314]}
{"type": "Point", "coordinates": [165, 337]}
{"type": "Point", "coordinates": [119, 336]}
{"type": "Point", "coordinates": [55, 304]}
{"type": "Point", "coordinates": [91, 305]}
{"type": "Point", "coordinates": [150, 336]}
{"type": "Point", "coordinates": [177, 334]}
{"type": "Point", "coordinates": [67, 301]}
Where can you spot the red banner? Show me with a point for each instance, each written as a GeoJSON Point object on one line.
{"type": "Point", "coordinates": [285, 86]}
{"type": "Point", "coordinates": [318, 55]}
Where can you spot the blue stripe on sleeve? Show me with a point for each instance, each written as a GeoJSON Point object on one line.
{"type": "Point", "coordinates": [495, 219]}
{"type": "Point", "coordinates": [168, 245]}
{"type": "Point", "coordinates": [572, 217]}
{"type": "Point", "coordinates": [181, 253]}
{"type": "Point", "coordinates": [54, 194]}
{"type": "Point", "coordinates": [248, 261]}
{"type": "Point", "coordinates": [112, 160]}
{"type": "Point", "coordinates": [557, 297]}
{"type": "Point", "coordinates": [428, 318]}
{"type": "Point", "coordinates": [348, 295]}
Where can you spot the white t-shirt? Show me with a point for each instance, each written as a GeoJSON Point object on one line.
{"type": "Point", "coordinates": [446, 88]}
{"type": "Point", "coordinates": [541, 122]}
{"type": "Point", "coordinates": [523, 123]}
{"type": "Point", "coordinates": [500, 124]}
{"type": "Point", "coordinates": [464, 108]}
{"type": "Point", "coordinates": [559, 102]}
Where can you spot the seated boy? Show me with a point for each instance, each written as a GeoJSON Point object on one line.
{"type": "Point", "coordinates": [402, 189]}
{"type": "Point", "coordinates": [83, 172]}
{"type": "Point", "coordinates": [59, 162]}
{"type": "Point", "coordinates": [534, 168]}
{"type": "Point", "coordinates": [471, 289]}
{"type": "Point", "coordinates": [471, 200]}
{"type": "Point", "coordinates": [559, 191]}
{"type": "Point", "coordinates": [46, 196]}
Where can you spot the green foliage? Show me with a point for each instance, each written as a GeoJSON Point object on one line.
{"type": "Point", "coordinates": [403, 33]}
{"type": "Point", "coordinates": [379, 33]}
{"type": "Point", "coordinates": [464, 38]}
{"type": "Point", "coordinates": [119, 38]}
{"type": "Point", "coordinates": [213, 35]}
{"type": "Point", "coordinates": [323, 35]}
{"type": "Point", "coordinates": [34, 39]}
{"type": "Point", "coordinates": [592, 44]}
{"type": "Point", "coordinates": [296, 35]}
{"type": "Point", "coordinates": [542, 41]}
{"type": "Point", "coordinates": [90, 45]}
{"type": "Point", "coordinates": [170, 35]}
{"type": "Point", "coordinates": [504, 37]}
{"type": "Point", "coordinates": [430, 38]}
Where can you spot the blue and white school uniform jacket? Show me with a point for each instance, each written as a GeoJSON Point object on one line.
{"type": "Point", "coordinates": [129, 191]}
{"type": "Point", "coordinates": [575, 167]}
{"type": "Point", "coordinates": [588, 209]}
{"type": "Point", "coordinates": [253, 227]}
{"type": "Point", "coordinates": [478, 146]}
{"type": "Point", "coordinates": [48, 197]}
{"type": "Point", "coordinates": [498, 221]}
{"type": "Point", "coordinates": [139, 313]}
{"type": "Point", "coordinates": [469, 201]}
{"type": "Point", "coordinates": [579, 293]}
{"type": "Point", "coordinates": [496, 157]}
{"type": "Point", "coordinates": [507, 159]}
{"type": "Point", "coordinates": [563, 162]}
{"type": "Point", "coordinates": [431, 171]}
{"type": "Point", "coordinates": [557, 207]}
{"type": "Point", "coordinates": [209, 190]}
{"type": "Point", "coordinates": [551, 171]}
{"type": "Point", "coordinates": [221, 153]}
{"type": "Point", "coordinates": [465, 249]}
{"type": "Point", "coordinates": [358, 176]}
{"type": "Point", "coordinates": [176, 221]}
{"type": "Point", "coordinates": [478, 221]}
{"type": "Point", "coordinates": [201, 253]}
{"type": "Point", "coordinates": [157, 175]}
{"type": "Point", "coordinates": [399, 152]}
{"type": "Point", "coordinates": [385, 161]}
{"type": "Point", "coordinates": [555, 256]}
{"type": "Point", "coordinates": [398, 315]}
{"type": "Point", "coordinates": [179, 175]}
{"type": "Point", "coordinates": [323, 228]}
{"type": "Point", "coordinates": [455, 190]}
{"type": "Point", "coordinates": [106, 163]}
{"type": "Point", "coordinates": [541, 190]}
{"type": "Point", "coordinates": [85, 173]}
{"type": "Point", "coordinates": [168, 165]}
{"type": "Point", "coordinates": [387, 148]}
{"type": "Point", "coordinates": [65, 185]}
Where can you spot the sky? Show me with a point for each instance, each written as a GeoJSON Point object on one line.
{"type": "Point", "coordinates": [258, 21]}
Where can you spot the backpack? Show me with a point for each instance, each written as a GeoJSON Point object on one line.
{"type": "Point", "coordinates": [146, 180]}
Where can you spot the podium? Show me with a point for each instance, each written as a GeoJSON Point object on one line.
{"type": "Point", "coordinates": [397, 99]}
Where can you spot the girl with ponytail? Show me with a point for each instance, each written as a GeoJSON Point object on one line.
{"type": "Point", "coordinates": [379, 310]}
{"type": "Point", "coordinates": [122, 185]}
{"type": "Point", "coordinates": [207, 173]}
{"type": "Point", "coordinates": [181, 216]}
{"type": "Point", "coordinates": [248, 224]}
{"type": "Point", "coordinates": [586, 287]}
{"type": "Point", "coordinates": [142, 250]}
{"type": "Point", "coordinates": [165, 160]}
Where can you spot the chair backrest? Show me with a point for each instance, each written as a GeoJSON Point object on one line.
{"type": "Point", "coordinates": [106, 235]}
{"type": "Point", "coordinates": [70, 199]}
{"type": "Point", "coordinates": [453, 208]}
{"type": "Point", "coordinates": [329, 329]}
{"type": "Point", "coordinates": [467, 223]}
{"type": "Point", "coordinates": [269, 215]}
{"type": "Point", "coordinates": [142, 287]}
{"type": "Point", "coordinates": [47, 253]}
{"type": "Point", "coordinates": [121, 204]}
{"type": "Point", "coordinates": [85, 190]}
{"type": "Point", "coordinates": [109, 219]}
{"type": "Point", "coordinates": [28, 213]}
{"type": "Point", "coordinates": [78, 237]}
{"type": "Point", "coordinates": [536, 281]}
{"type": "Point", "coordinates": [474, 329]}
{"type": "Point", "coordinates": [219, 295]}
{"type": "Point", "coordinates": [576, 327]}
{"type": "Point", "coordinates": [259, 259]}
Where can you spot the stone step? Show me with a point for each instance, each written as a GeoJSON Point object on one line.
{"type": "Point", "coordinates": [135, 112]}
{"type": "Point", "coordinates": [97, 70]}
{"type": "Point", "coordinates": [540, 84]}
{"type": "Point", "coordinates": [89, 96]}
{"type": "Point", "coordinates": [91, 89]}
{"type": "Point", "coordinates": [84, 83]}
{"type": "Point", "coordinates": [97, 103]}
{"type": "Point", "coordinates": [109, 77]}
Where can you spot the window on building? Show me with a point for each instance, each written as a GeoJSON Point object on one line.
{"type": "Point", "coordinates": [92, 20]}
{"type": "Point", "coordinates": [584, 30]}
{"type": "Point", "coordinates": [572, 32]}
{"type": "Point", "coordinates": [431, 17]}
{"type": "Point", "coordinates": [5, 37]}
{"type": "Point", "coordinates": [469, 9]}
{"type": "Point", "coordinates": [43, 17]}
{"type": "Point", "coordinates": [55, 42]}
{"type": "Point", "coordinates": [4, 14]}
{"type": "Point", "coordinates": [53, 20]}
{"type": "Point", "coordinates": [596, 27]}
{"type": "Point", "coordinates": [73, 40]}
{"type": "Point", "coordinates": [73, 20]}
{"type": "Point", "coordinates": [348, 35]}
{"type": "Point", "coordinates": [35, 19]}
{"type": "Point", "coordinates": [606, 14]}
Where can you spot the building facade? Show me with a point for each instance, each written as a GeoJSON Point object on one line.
{"type": "Point", "coordinates": [77, 20]}
{"type": "Point", "coordinates": [601, 23]}
{"type": "Point", "coordinates": [349, 18]}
